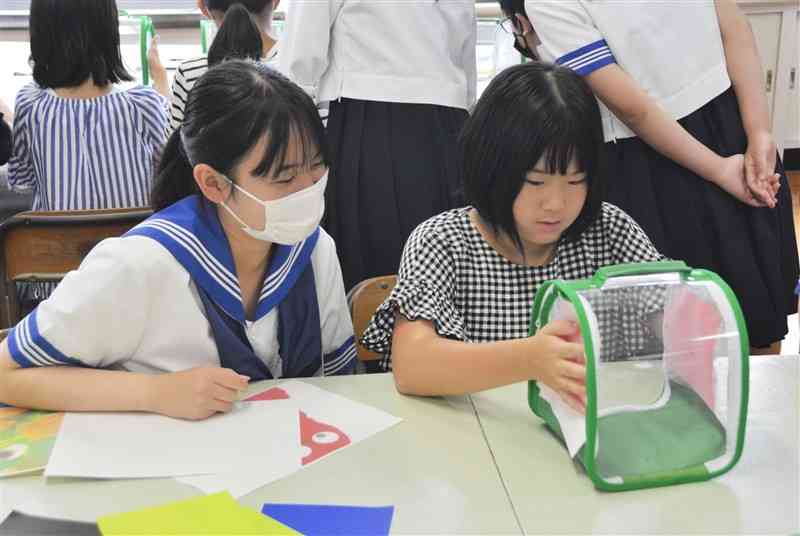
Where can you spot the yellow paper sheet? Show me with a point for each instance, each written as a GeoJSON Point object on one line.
{"type": "Point", "coordinates": [215, 514]}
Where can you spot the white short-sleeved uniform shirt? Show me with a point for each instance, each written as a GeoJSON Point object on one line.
{"type": "Point", "coordinates": [420, 51]}
{"type": "Point", "coordinates": [672, 49]}
{"type": "Point", "coordinates": [134, 304]}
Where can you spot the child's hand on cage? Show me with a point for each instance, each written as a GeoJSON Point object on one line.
{"type": "Point", "coordinates": [558, 361]}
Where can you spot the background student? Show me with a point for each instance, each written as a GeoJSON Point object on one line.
{"type": "Point", "coordinates": [688, 139]}
{"type": "Point", "coordinates": [400, 77]}
{"type": "Point", "coordinates": [81, 141]}
{"type": "Point", "coordinates": [244, 32]}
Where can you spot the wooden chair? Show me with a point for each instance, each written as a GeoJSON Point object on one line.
{"type": "Point", "coordinates": [363, 300]}
{"type": "Point", "coordinates": [44, 246]}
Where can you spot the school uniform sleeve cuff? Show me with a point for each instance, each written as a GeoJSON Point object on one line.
{"type": "Point", "coordinates": [343, 360]}
{"type": "Point", "coordinates": [29, 348]}
{"type": "Point", "coordinates": [589, 58]}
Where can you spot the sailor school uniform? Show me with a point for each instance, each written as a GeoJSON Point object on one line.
{"type": "Point", "coordinates": [165, 297]}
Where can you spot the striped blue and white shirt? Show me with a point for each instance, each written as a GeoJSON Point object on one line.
{"type": "Point", "coordinates": [95, 153]}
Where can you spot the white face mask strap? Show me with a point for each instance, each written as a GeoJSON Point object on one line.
{"type": "Point", "coordinates": [235, 217]}
{"type": "Point", "coordinates": [242, 190]}
{"type": "Point", "coordinates": [230, 211]}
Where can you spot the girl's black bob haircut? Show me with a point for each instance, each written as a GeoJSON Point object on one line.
{"type": "Point", "coordinates": [72, 40]}
{"type": "Point", "coordinates": [528, 112]}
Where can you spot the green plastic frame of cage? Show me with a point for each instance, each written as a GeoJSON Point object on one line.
{"type": "Point", "coordinates": [146, 32]}
{"type": "Point", "coordinates": [542, 305]}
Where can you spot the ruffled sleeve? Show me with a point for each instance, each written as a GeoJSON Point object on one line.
{"type": "Point", "coordinates": [425, 290]}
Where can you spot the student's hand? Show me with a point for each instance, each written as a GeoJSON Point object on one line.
{"type": "Point", "coordinates": [201, 5]}
{"type": "Point", "coordinates": [196, 393]}
{"type": "Point", "coordinates": [157, 70]}
{"type": "Point", "coordinates": [559, 363]}
{"type": "Point", "coordinates": [154, 59]}
{"type": "Point", "coordinates": [759, 166]}
{"type": "Point", "coordinates": [730, 176]}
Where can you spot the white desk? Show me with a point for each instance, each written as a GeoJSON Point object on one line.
{"type": "Point", "coordinates": [437, 468]}
{"type": "Point", "coordinates": [434, 467]}
{"type": "Point", "coordinates": [552, 495]}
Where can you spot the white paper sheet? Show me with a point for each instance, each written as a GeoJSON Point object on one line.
{"type": "Point", "coordinates": [140, 445]}
{"type": "Point", "coordinates": [358, 421]}
{"type": "Point", "coordinates": [240, 483]}
{"type": "Point", "coordinates": [5, 506]}
{"type": "Point", "coordinates": [572, 423]}
{"type": "Point", "coordinates": [330, 423]}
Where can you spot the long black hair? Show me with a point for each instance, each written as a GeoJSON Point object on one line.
{"type": "Point", "coordinates": [230, 108]}
{"type": "Point", "coordinates": [529, 111]}
{"type": "Point", "coordinates": [511, 8]}
{"type": "Point", "coordinates": [239, 36]}
{"type": "Point", "coordinates": [74, 40]}
{"type": "Point", "coordinates": [256, 7]}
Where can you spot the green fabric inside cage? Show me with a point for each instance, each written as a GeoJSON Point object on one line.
{"type": "Point", "coordinates": [683, 433]}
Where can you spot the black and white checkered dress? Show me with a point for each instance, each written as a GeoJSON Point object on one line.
{"type": "Point", "coordinates": [452, 277]}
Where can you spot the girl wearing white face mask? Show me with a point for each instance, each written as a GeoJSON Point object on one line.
{"type": "Point", "coordinates": [231, 280]}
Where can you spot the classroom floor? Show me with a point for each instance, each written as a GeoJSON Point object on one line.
{"type": "Point", "coordinates": [178, 44]}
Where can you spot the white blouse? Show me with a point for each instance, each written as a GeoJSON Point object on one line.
{"type": "Point", "coordinates": [419, 52]}
{"type": "Point", "coordinates": [672, 49]}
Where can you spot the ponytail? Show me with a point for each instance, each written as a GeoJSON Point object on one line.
{"type": "Point", "coordinates": [239, 37]}
{"type": "Point", "coordinates": [175, 175]}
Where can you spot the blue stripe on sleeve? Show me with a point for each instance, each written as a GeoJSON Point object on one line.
{"type": "Point", "coordinates": [29, 348]}
{"type": "Point", "coordinates": [589, 58]}
{"type": "Point", "coordinates": [343, 360]}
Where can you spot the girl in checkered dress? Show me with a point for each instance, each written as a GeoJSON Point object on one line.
{"type": "Point", "coordinates": [533, 175]}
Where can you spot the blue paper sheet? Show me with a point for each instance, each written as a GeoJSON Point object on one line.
{"type": "Point", "coordinates": [328, 520]}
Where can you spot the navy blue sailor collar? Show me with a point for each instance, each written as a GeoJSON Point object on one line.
{"type": "Point", "coordinates": [190, 230]}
